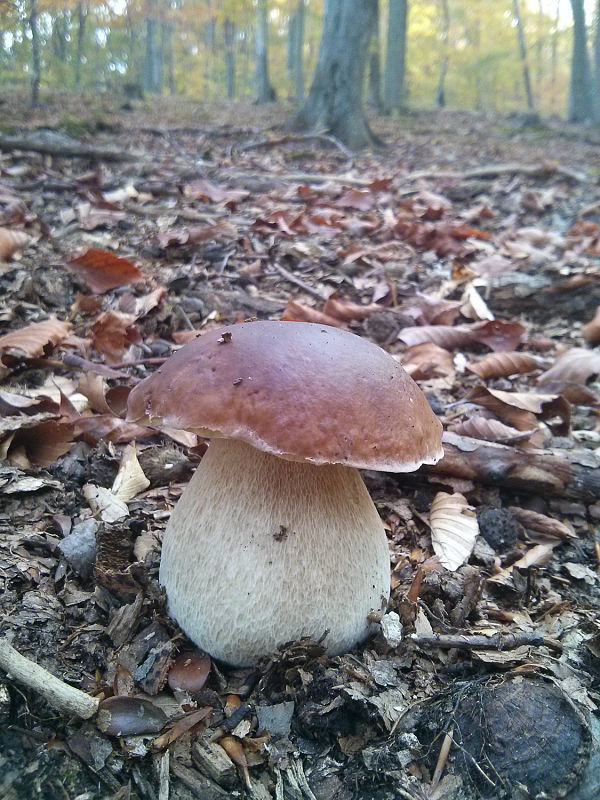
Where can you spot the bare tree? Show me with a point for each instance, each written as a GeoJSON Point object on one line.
{"type": "Point", "coordinates": [229, 36]}
{"type": "Point", "coordinates": [395, 59]}
{"type": "Point", "coordinates": [81, 18]}
{"type": "Point", "coordinates": [264, 91]}
{"type": "Point", "coordinates": [523, 55]}
{"type": "Point", "coordinates": [440, 95]}
{"type": "Point", "coordinates": [36, 64]}
{"type": "Point", "coordinates": [334, 101]}
{"type": "Point", "coordinates": [581, 99]}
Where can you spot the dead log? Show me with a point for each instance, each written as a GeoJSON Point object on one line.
{"type": "Point", "coordinates": [65, 149]}
{"type": "Point", "coordinates": [574, 474]}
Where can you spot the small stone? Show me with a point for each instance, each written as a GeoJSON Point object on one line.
{"type": "Point", "coordinates": [391, 628]}
{"type": "Point", "coordinates": [79, 547]}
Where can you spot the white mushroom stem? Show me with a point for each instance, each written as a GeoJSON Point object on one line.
{"type": "Point", "coordinates": [260, 551]}
{"type": "Point", "coordinates": [59, 694]}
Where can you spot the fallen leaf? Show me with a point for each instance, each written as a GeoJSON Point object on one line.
{"type": "Point", "coordinates": [542, 524]}
{"type": "Point", "coordinates": [450, 337]}
{"type": "Point", "coordinates": [521, 409]}
{"type": "Point", "coordinates": [112, 333]}
{"type": "Point", "coordinates": [36, 339]}
{"type": "Point", "coordinates": [299, 312]}
{"type": "Point", "coordinates": [473, 306]}
{"type": "Point", "coordinates": [347, 311]}
{"type": "Point", "coordinates": [130, 479]}
{"type": "Point", "coordinates": [577, 365]}
{"type": "Point", "coordinates": [454, 529]}
{"type": "Point", "coordinates": [591, 331]}
{"type": "Point", "coordinates": [427, 360]}
{"type": "Point", "coordinates": [103, 502]}
{"type": "Point", "coordinates": [501, 365]}
{"type": "Point", "coordinates": [103, 270]}
{"type": "Point", "coordinates": [209, 192]}
{"type": "Point", "coordinates": [490, 430]}
{"type": "Point", "coordinates": [193, 722]}
{"type": "Point", "coordinates": [12, 241]}
{"type": "Point", "coordinates": [498, 335]}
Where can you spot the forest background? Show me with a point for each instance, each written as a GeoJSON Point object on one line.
{"type": "Point", "coordinates": [490, 55]}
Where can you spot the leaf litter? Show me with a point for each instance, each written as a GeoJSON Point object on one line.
{"type": "Point", "coordinates": [438, 270]}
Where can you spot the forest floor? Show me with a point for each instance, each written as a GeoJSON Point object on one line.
{"type": "Point", "coordinates": [469, 248]}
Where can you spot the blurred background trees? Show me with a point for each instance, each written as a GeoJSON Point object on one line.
{"type": "Point", "coordinates": [491, 55]}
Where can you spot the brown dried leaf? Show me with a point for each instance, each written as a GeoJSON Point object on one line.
{"type": "Point", "coordinates": [113, 333]}
{"type": "Point", "coordinates": [427, 360]}
{"type": "Point", "coordinates": [450, 337]}
{"type": "Point", "coordinates": [209, 192]}
{"type": "Point", "coordinates": [140, 306]}
{"type": "Point", "coordinates": [537, 555]}
{"type": "Point", "coordinates": [36, 339]}
{"type": "Point", "coordinates": [130, 479]}
{"type": "Point", "coordinates": [501, 365]}
{"type": "Point", "coordinates": [454, 528]}
{"type": "Point", "coordinates": [235, 750]}
{"type": "Point", "coordinates": [109, 428]}
{"type": "Point", "coordinates": [194, 721]}
{"type": "Point", "coordinates": [498, 335]}
{"type": "Point", "coordinates": [46, 442]}
{"type": "Point", "coordinates": [347, 311]}
{"type": "Point", "coordinates": [521, 409]}
{"type": "Point", "coordinates": [12, 241]}
{"type": "Point", "coordinates": [490, 430]}
{"type": "Point", "coordinates": [437, 310]}
{"type": "Point", "coordinates": [103, 270]}
{"type": "Point", "coordinates": [547, 526]}
{"type": "Point", "coordinates": [591, 331]}
{"type": "Point", "coordinates": [299, 312]}
{"type": "Point", "coordinates": [576, 366]}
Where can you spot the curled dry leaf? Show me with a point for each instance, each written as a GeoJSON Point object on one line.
{"type": "Point", "coordinates": [130, 479]}
{"type": "Point", "coordinates": [427, 360]}
{"type": "Point", "coordinates": [437, 310]}
{"type": "Point", "coordinates": [102, 501]}
{"type": "Point", "coordinates": [491, 430]}
{"type": "Point", "coordinates": [299, 312]}
{"type": "Point", "coordinates": [44, 443]}
{"type": "Point", "coordinates": [521, 409]}
{"type": "Point", "coordinates": [473, 305]}
{"type": "Point", "coordinates": [450, 337]}
{"type": "Point", "coordinates": [546, 526]}
{"type": "Point", "coordinates": [103, 270]}
{"type": "Point", "coordinates": [591, 331]}
{"type": "Point", "coordinates": [140, 306]}
{"type": "Point", "coordinates": [576, 366]}
{"type": "Point", "coordinates": [536, 556]}
{"type": "Point", "coordinates": [346, 311]}
{"type": "Point", "coordinates": [113, 333]}
{"type": "Point", "coordinates": [35, 340]}
{"type": "Point", "coordinates": [501, 365]}
{"type": "Point", "coordinates": [194, 722]}
{"type": "Point", "coordinates": [499, 335]}
{"type": "Point", "coordinates": [12, 241]}
{"type": "Point", "coordinates": [454, 528]}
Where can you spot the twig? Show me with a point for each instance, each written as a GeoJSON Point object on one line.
{"type": "Point", "coordinates": [495, 170]}
{"type": "Point", "coordinates": [499, 641]}
{"type": "Point", "coordinates": [302, 137]}
{"type": "Point", "coordinates": [59, 694]}
{"type": "Point", "coordinates": [443, 757]}
{"type": "Point", "coordinates": [299, 282]}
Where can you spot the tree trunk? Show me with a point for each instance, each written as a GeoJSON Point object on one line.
{"type": "Point", "coordinates": [264, 91]}
{"type": "Point", "coordinates": [296, 44]}
{"type": "Point", "coordinates": [523, 55]}
{"type": "Point", "coordinates": [81, 18]}
{"type": "Point", "coordinates": [374, 84]}
{"type": "Point", "coordinates": [229, 37]}
{"type": "Point", "coordinates": [581, 104]}
{"type": "Point", "coordinates": [596, 51]}
{"type": "Point", "coordinates": [152, 67]}
{"type": "Point", "coordinates": [440, 94]}
{"type": "Point", "coordinates": [334, 101]}
{"type": "Point", "coordinates": [36, 68]}
{"type": "Point", "coordinates": [394, 95]}
{"type": "Point", "coordinates": [167, 59]}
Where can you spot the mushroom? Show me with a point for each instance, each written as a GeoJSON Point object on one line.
{"type": "Point", "coordinates": [276, 536]}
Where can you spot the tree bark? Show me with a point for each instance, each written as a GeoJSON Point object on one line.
{"type": "Point", "coordinates": [523, 55]}
{"type": "Point", "coordinates": [229, 37]}
{"type": "Point", "coordinates": [374, 86]}
{"type": "Point", "coordinates": [569, 473]}
{"type": "Point", "coordinates": [581, 103]}
{"type": "Point", "coordinates": [297, 50]}
{"type": "Point", "coordinates": [152, 67]}
{"type": "Point", "coordinates": [35, 54]}
{"type": "Point", "coordinates": [596, 56]}
{"type": "Point", "coordinates": [334, 102]}
{"type": "Point", "coordinates": [395, 61]}
{"type": "Point", "coordinates": [264, 91]}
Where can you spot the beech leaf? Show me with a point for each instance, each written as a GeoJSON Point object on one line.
{"type": "Point", "coordinates": [12, 241]}
{"type": "Point", "coordinates": [35, 339]}
{"type": "Point", "coordinates": [103, 270]}
{"type": "Point", "coordinates": [501, 365]}
{"type": "Point", "coordinates": [454, 529]}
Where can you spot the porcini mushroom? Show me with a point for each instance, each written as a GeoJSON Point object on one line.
{"type": "Point", "coordinates": [276, 536]}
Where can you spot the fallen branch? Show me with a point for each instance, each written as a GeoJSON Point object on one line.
{"type": "Point", "coordinates": [498, 641]}
{"type": "Point", "coordinates": [300, 137]}
{"type": "Point", "coordinates": [64, 150]}
{"type": "Point", "coordinates": [572, 474]}
{"type": "Point", "coordinates": [57, 693]}
{"type": "Point", "coordinates": [496, 170]}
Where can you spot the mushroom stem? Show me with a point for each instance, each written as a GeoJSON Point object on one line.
{"type": "Point", "coordinates": [260, 551]}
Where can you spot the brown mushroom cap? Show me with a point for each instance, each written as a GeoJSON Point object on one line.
{"type": "Point", "coordinates": [297, 390]}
